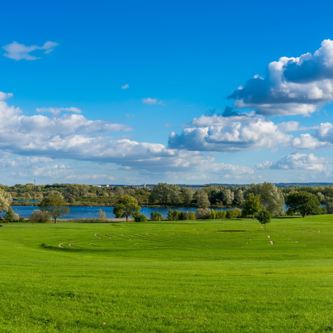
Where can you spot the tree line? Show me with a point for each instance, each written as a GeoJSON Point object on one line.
{"type": "Point", "coordinates": [258, 201]}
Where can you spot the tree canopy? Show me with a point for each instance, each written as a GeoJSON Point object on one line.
{"type": "Point", "coordinates": [55, 205]}
{"type": "Point", "coordinates": [126, 206]}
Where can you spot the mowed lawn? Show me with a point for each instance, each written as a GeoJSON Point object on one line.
{"type": "Point", "coordinates": [210, 276]}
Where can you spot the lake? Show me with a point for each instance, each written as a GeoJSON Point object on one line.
{"type": "Point", "coordinates": [91, 212]}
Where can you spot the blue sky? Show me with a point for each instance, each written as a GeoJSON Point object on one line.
{"type": "Point", "coordinates": [134, 92]}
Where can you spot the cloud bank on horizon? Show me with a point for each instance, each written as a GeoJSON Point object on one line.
{"type": "Point", "coordinates": [293, 86]}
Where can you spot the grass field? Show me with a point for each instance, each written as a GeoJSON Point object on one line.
{"type": "Point", "coordinates": [168, 277]}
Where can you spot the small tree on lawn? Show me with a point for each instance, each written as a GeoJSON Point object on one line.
{"type": "Point", "coordinates": [126, 206]}
{"type": "Point", "coordinates": [55, 205]}
{"type": "Point", "coordinates": [263, 217]}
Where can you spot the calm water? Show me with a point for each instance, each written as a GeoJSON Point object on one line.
{"type": "Point", "coordinates": [87, 212]}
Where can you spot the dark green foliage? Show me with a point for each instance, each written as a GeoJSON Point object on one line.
{"type": "Point", "coordinates": [140, 218]}
{"type": "Point", "coordinates": [233, 213]}
{"type": "Point", "coordinates": [201, 199]}
{"type": "Point", "coordinates": [303, 203]}
{"type": "Point", "coordinates": [126, 206]}
{"type": "Point", "coordinates": [176, 215]}
{"type": "Point", "coordinates": [173, 215]}
{"type": "Point", "coordinates": [271, 197]}
{"type": "Point", "coordinates": [55, 205]}
{"type": "Point", "coordinates": [251, 205]}
{"type": "Point", "coordinates": [156, 216]}
{"type": "Point", "coordinates": [263, 216]}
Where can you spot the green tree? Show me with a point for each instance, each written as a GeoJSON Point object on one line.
{"type": "Point", "coordinates": [126, 206]}
{"type": "Point", "coordinates": [165, 195]}
{"type": "Point", "coordinates": [251, 205]}
{"type": "Point", "coordinates": [303, 203]}
{"type": "Point", "coordinates": [55, 204]}
{"type": "Point", "coordinates": [5, 200]}
{"type": "Point", "coordinates": [271, 197]}
{"type": "Point", "coordinates": [238, 198]}
{"type": "Point", "coordinates": [187, 196]}
{"type": "Point", "coordinates": [263, 217]}
{"type": "Point", "coordinates": [201, 199]}
{"type": "Point", "coordinates": [11, 216]}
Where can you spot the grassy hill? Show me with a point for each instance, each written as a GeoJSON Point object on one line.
{"type": "Point", "coordinates": [227, 276]}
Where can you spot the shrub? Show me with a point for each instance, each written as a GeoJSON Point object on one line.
{"type": "Point", "coordinates": [203, 213]}
{"type": "Point", "coordinates": [173, 215]}
{"type": "Point", "coordinates": [213, 214]}
{"type": "Point", "coordinates": [233, 213]}
{"type": "Point", "coordinates": [40, 216]}
{"type": "Point", "coordinates": [156, 216]}
{"type": "Point", "coordinates": [263, 216]}
{"type": "Point", "coordinates": [140, 218]}
{"type": "Point", "coordinates": [191, 216]}
{"type": "Point", "coordinates": [11, 216]}
{"type": "Point", "coordinates": [220, 214]}
{"type": "Point", "coordinates": [183, 216]}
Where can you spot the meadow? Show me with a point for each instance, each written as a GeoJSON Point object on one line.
{"type": "Point", "coordinates": [208, 276]}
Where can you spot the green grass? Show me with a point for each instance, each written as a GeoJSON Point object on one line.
{"type": "Point", "coordinates": [168, 277]}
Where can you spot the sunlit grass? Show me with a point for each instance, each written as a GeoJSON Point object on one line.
{"type": "Point", "coordinates": [168, 277]}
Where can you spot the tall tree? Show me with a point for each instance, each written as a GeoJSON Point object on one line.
{"type": "Point", "coordinates": [126, 206]}
{"type": "Point", "coordinates": [55, 204]}
{"type": "Point", "coordinates": [201, 198]}
{"type": "Point", "coordinates": [271, 197]}
{"type": "Point", "coordinates": [5, 200]}
{"type": "Point", "coordinates": [303, 203]}
{"type": "Point", "coordinates": [251, 205]}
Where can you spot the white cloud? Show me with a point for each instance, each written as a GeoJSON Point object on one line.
{"type": "Point", "coordinates": [152, 101]}
{"type": "Point", "coordinates": [124, 86]}
{"type": "Point", "coordinates": [300, 161]}
{"type": "Point", "coordinates": [307, 141]}
{"type": "Point", "coordinates": [293, 86]}
{"type": "Point", "coordinates": [234, 133]}
{"type": "Point", "coordinates": [57, 111]}
{"type": "Point", "coordinates": [71, 136]}
{"type": "Point", "coordinates": [18, 51]}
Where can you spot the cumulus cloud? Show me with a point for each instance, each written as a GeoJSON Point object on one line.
{"type": "Point", "coordinates": [307, 141]}
{"type": "Point", "coordinates": [292, 86]}
{"type": "Point", "coordinates": [301, 161]}
{"type": "Point", "coordinates": [232, 133]}
{"type": "Point", "coordinates": [18, 51]}
{"type": "Point", "coordinates": [71, 136]}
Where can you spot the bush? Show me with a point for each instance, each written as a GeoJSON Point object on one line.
{"type": "Point", "coordinates": [11, 216]}
{"type": "Point", "coordinates": [233, 213]}
{"type": "Point", "coordinates": [191, 216]}
{"type": "Point", "coordinates": [203, 213]}
{"type": "Point", "coordinates": [173, 215]}
{"type": "Point", "coordinates": [220, 214]}
{"type": "Point", "coordinates": [183, 216]}
{"type": "Point", "coordinates": [140, 218]}
{"type": "Point", "coordinates": [40, 216]}
{"type": "Point", "coordinates": [156, 216]}
{"type": "Point", "coordinates": [263, 216]}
